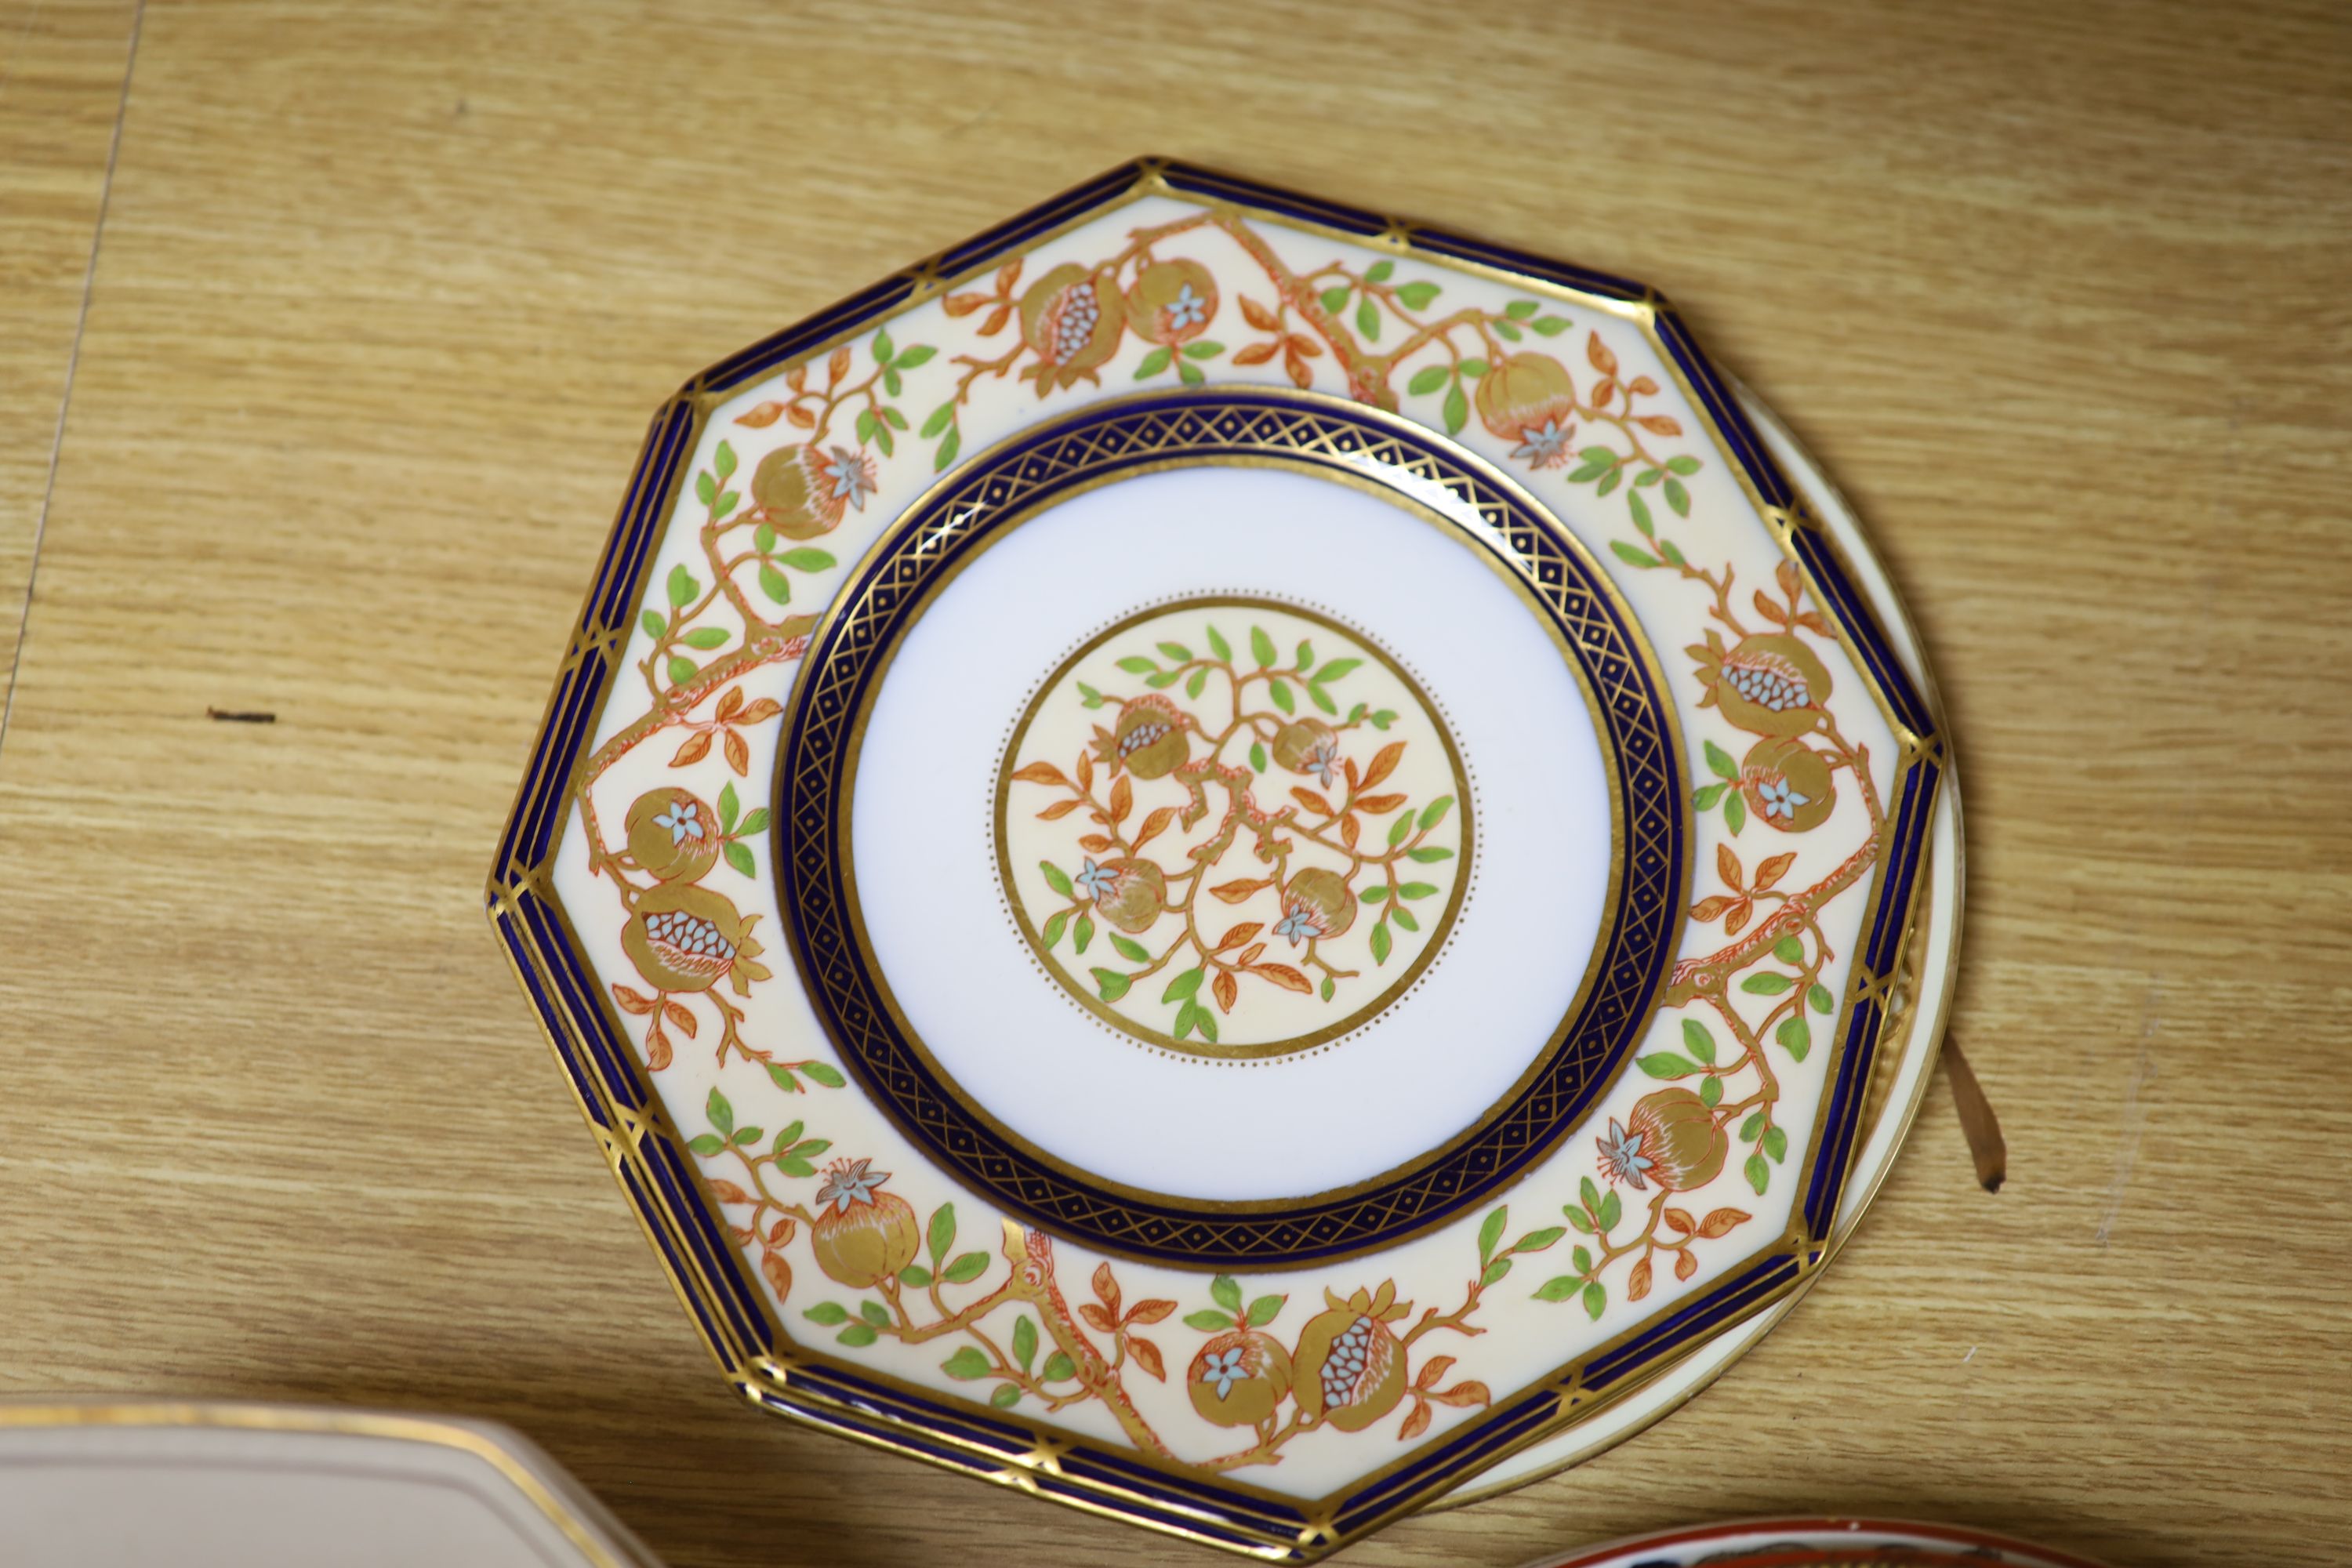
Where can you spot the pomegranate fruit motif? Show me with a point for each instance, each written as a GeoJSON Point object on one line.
{"type": "Point", "coordinates": [1148, 740]}
{"type": "Point", "coordinates": [1673, 1140]}
{"type": "Point", "coordinates": [686, 939]}
{"type": "Point", "coordinates": [1128, 893]}
{"type": "Point", "coordinates": [862, 1235]}
{"type": "Point", "coordinates": [1171, 302]}
{"type": "Point", "coordinates": [802, 492]}
{"type": "Point", "coordinates": [1349, 1368]}
{"type": "Point", "coordinates": [672, 835]}
{"type": "Point", "coordinates": [1239, 1377]}
{"type": "Point", "coordinates": [1308, 746]}
{"type": "Point", "coordinates": [1769, 685]}
{"type": "Point", "coordinates": [1315, 903]}
{"type": "Point", "coordinates": [1787, 785]}
{"type": "Point", "coordinates": [1071, 320]}
{"type": "Point", "coordinates": [1528, 400]}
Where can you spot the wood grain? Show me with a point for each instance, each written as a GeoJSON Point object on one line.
{"type": "Point", "coordinates": [386, 292]}
{"type": "Point", "coordinates": [62, 64]}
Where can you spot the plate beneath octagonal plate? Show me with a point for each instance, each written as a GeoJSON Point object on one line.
{"type": "Point", "coordinates": [1318, 902]}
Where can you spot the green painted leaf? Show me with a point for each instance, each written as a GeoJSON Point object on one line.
{"type": "Point", "coordinates": [806, 559]}
{"type": "Point", "coordinates": [1820, 999]}
{"type": "Point", "coordinates": [1579, 1219]}
{"type": "Point", "coordinates": [1429, 854]}
{"type": "Point", "coordinates": [1218, 646]}
{"type": "Point", "coordinates": [1705, 799]}
{"type": "Point", "coordinates": [1676, 497]}
{"type": "Point", "coordinates": [745, 1137]}
{"type": "Point", "coordinates": [1006, 1396]}
{"type": "Point", "coordinates": [1209, 1322]}
{"type": "Point", "coordinates": [868, 424]}
{"type": "Point", "coordinates": [1720, 762]}
{"type": "Point", "coordinates": [1111, 984]}
{"type": "Point", "coordinates": [875, 1312]}
{"type": "Point", "coordinates": [1558, 1288]}
{"type": "Point", "coordinates": [783, 1077]}
{"type": "Point", "coordinates": [858, 1336]}
{"type": "Point", "coordinates": [1490, 1231]}
{"type": "Point", "coordinates": [1400, 829]}
{"type": "Point", "coordinates": [1057, 878]}
{"type": "Point", "coordinates": [1494, 1273]}
{"type": "Point", "coordinates": [1435, 812]}
{"type": "Point", "coordinates": [1368, 321]}
{"type": "Point", "coordinates": [654, 625]}
{"type": "Point", "coordinates": [1084, 934]}
{"type": "Point", "coordinates": [1766, 984]}
{"type": "Point", "coordinates": [1205, 349]}
{"type": "Point", "coordinates": [1154, 364]}
{"type": "Point", "coordinates": [706, 1144]}
{"type": "Point", "coordinates": [1226, 1292]}
{"type": "Point", "coordinates": [1521, 309]}
{"type": "Point", "coordinates": [1257, 758]}
{"type": "Point", "coordinates": [882, 347]}
{"type": "Point", "coordinates": [1261, 647]}
{"type": "Point", "coordinates": [832, 1314]}
{"type": "Point", "coordinates": [1379, 271]}
{"type": "Point", "coordinates": [1379, 943]}
{"type": "Point", "coordinates": [682, 588]}
{"type": "Point", "coordinates": [967, 1268]}
{"type": "Point", "coordinates": [829, 1076]}
{"type": "Point", "coordinates": [1428, 379]}
{"type": "Point", "coordinates": [1698, 1041]}
{"type": "Point", "coordinates": [1776, 1144]}
{"type": "Point", "coordinates": [1057, 1367]}
{"type": "Point", "coordinates": [1416, 296]}
{"type": "Point", "coordinates": [1759, 1173]}
{"type": "Point", "coordinates": [1682, 465]}
{"type": "Point", "coordinates": [1473, 368]}
{"type": "Point", "coordinates": [775, 584]}
{"type": "Point", "coordinates": [1327, 988]}
{"type": "Point", "coordinates": [1456, 410]}
{"type": "Point", "coordinates": [1334, 300]}
{"type": "Point", "coordinates": [1794, 1036]}
{"type": "Point", "coordinates": [1550, 326]}
{"type": "Point", "coordinates": [1710, 1092]}
{"type": "Point", "coordinates": [1666, 1063]}
{"type": "Point", "coordinates": [1129, 949]}
{"type": "Point", "coordinates": [1505, 331]}
{"type": "Point", "coordinates": [948, 447]}
{"type": "Point", "coordinates": [966, 1364]}
{"type": "Point", "coordinates": [1265, 1309]}
{"type": "Point", "coordinates": [1322, 698]}
{"type": "Point", "coordinates": [738, 855]}
{"type": "Point", "coordinates": [706, 637]}
{"type": "Point", "coordinates": [682, 669]}
{"type": "Point", "coordinates": [1416, 889]}
{"type": "Point", "coordinates": [1734, 813]}
{"type": "Point", "coordinates": [1631, 556]}
{"type": "Point", "coordinates": [1164, 679]}
{"type": "Point", "coordinates": [1586, 1189]}
{"type": "Point", "coordinates": [1176, 651]}
{"type": "Point", "coordinates": [1053, 927]}
{"type": "Point", "coordinates": [919, 354]}
{"type": "Point", "coordinates": [1205, 1021]}
{"type": "Point", "coordinates": [1025, 1340]}
{"type": "Point", "coordinates": [1403, 917]}
{"type": "Point", "coordinates": [1611, 1211]}
{"type": "Point", "coordinates": [722, 1115]}
{"type": "Point", "coordinates": [1596, 1301]}
{"type": "Point", "coordinates": [1185, 985]}
{"type": "Point", "coordinates": [1789, 950]}
{"type": "Point", "coordinates": [1280, 692]}
{"type": "Point", "coordinates": [939, 419]}
{"type": "Point", "coordinates": [940, 1234]}
{"type": "Point", "coordinates": [1640, 510]}
{"type": "Point", "coordinates": [706, 488]}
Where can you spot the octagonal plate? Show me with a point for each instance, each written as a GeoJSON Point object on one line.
{"type": "Point", "coordinates": [1220, 858]}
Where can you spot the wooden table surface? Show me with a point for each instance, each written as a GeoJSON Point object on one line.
{"type": "Point", "coordinates": [382, 296]}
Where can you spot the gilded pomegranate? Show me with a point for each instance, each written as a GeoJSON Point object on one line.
{"type": "Point", "coordinates": [1314, 903]}
{"type": "Point", "coordinates": [1071, 320]}
{"type": "Point", "coordinates": [1171, 302]}
{"type": "Point", "coordinates": [685, 938]}
{"type": "Point", "coordinates": [861, 1235]}
{"type": "Point", "coordinates": [1348, 1366]}
{"type": "Point", "coordinates": [1150, 740]}
{"type": "Point", "coordinates": [803, 492]}
{"type": "Point", "coordinates": [673, 834]}
{"type": "Point", "coordinates": [1128, 893]}
{"type": "Point", "coordinates": [1308, 746]}
{"type": "Point", "coordinates": [1528, 400]}
{"type": "Point", "coordinates": [1769, 685]}
{"type": "Point", "coordinates": [1787, 785]}
{"type": "Point", "coordinates": [1239, 1377]}
{"type": "Point", "coordinates": [1673, 1140]}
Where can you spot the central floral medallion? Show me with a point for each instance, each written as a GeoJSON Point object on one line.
{"type": "Point", "coordinates": [1229, 826]}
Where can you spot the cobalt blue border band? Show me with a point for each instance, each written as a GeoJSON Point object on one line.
{"type": "Point", "coordinates": [1012, 482]}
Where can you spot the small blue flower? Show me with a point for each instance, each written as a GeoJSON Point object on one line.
{"type": "Point", "coordinates": [1621, 1158]}
{"type": "Point", "coordinates": [1098, 881]}
{"type": "Point", "coordinates": [1782, 801]}
{"type": "Point", "coordinates": [1544, 445]}
{"type": "Point", "coordinates": [1187, 309]}
{"type": "Point", "coordinates": [1224, 1369]}
{"type": "Point", "coordinates": [1300, 925]}
{"type": "Point", "coordinates": [852, 481]}
{"type": "Point", "coordinates": [682, 820]}
{"type": "Point", "coordinates": [1322, 760]}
